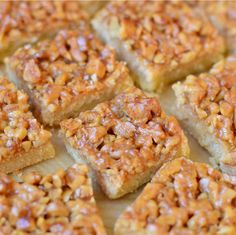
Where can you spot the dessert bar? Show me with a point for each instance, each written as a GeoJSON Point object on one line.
{"type": "Point", "coordinates": [67, 74]}
{"type": "Point", "coordinates": [27, 21]}
{"type": "Point", "coordinates": [124, 141]}
{"type": "Point", "coordinates": [205, 105]}
{"type": "Point", "coordinates": [184, 197]}
{"type": "Point", "coordinates": [59, 203]}
{"type": "Point", "coordinates": [162, 41]}
{"type": "Point", "coordinates": [23, 140]}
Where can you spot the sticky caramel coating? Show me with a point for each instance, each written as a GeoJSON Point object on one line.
{"type": "Point", "coordinates": [19, 130]}
{"type": "Point", "coordinates": [161, 33]}
{"type": "Point", "coordinates": [125, 136]}
{"type": "Point", "coordinates": [61, 203]}
{"type": "Point", "coordinates": [74, 64]}
{"type": "Point", "coordinates": [28, 20]}
{"type": "Point", "coordinates": [184, 197]}
{"type": "Point", "coordinates": [212, 97]}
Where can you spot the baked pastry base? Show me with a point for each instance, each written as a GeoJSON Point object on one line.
{"type": "Point", "coordinates": [24, 159]}
{"type": "Point", "coordinates": [112, 186]}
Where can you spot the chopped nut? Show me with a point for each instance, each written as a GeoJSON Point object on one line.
{"type": "Point", "coordinates": [128, 28]}
{"type": "Point", "coordinates": [31, 72]}
{"type": "Point", "coordinates": [95, 66]}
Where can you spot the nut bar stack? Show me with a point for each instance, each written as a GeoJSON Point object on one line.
{"type": "Point", "coordinates": [27, 21]}
{"type": "Point", "coordinates": [124, 140]}
{"type": "Point", "coordinates": [23, 141]}
{"type": "Point", "coordinates": [67, 74]}
{"type": "Point", "coordinates": [162, 41]}
{"type": "Point", "coordinates": [61, 203]}
{"type": "Point", "coordinates": [184, 197]}
{"type": "Point", "coordinates": [206, 105]}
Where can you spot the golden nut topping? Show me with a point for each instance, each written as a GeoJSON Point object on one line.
{"type": "Point", "coordinates": [126, 135]}
{"type": "Point", "coordinates": [19, 130]}
{"type": "Point", "coordinates": [212, 97]}
{"type": "Point", "coordinates": [71, 65]}
{"type": "Point", "coordinates": [161, 32]}
{"type": "Point", "coordinates": [222, 15]}
{"type": "Point", "coordinates": [184, 197]}
{"type": "Point", "coordinates": [22, 22]}
{"type": "Point", "coordinates": [31, 206]}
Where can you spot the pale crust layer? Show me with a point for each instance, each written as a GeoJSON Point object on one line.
{"type": "Point", "coordinates": [68, 74]}
{"type": "Point", "coordinates": [162, 42]}
{"type": "Point", "coordinates": [59, 203]}
{"type": "Point", "coordinates": [184, 197]}
{"type": "Point", "coordinates": [124, 138]}
{"type": "Point", "coordinates": [212, 99]}
{"type": "Point", "coordinates": [21, 135]}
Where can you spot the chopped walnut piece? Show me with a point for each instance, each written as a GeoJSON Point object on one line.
{"type": "Point", "coordinates": [211, 97]}
{"type": "Point", "coordinates": [184, 197]}
{"type": "Point", "coordinates": [20, 131]}
{"type": "Point", "coordinates": [28, 21]}
{"type": "Point", "coordinates": [38, 204]}
{"type": "Point", "coordinates": [162, 41]}
{"type": "Point", "coordinates": [125, 137]}
{"type": "Point", "coordinates": [69, 73]}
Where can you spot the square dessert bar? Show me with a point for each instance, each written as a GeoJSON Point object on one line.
{"type": "Point", "coordinates": [27, 21]}
{"type": "Point", "coordinates": [124, 140]}
{"type": "Point", "coordinates": [162, 41]}
{"type": "Point", "coordinates": [23, 141]}
{"type": "Point", "coordinates": [206, 105]}
{"type": "Point", "coordinates": [184, 197]}
{"type": "Point", "coordinates": [59, 203]}
{"type": "Point", "coordinates": [67, 74]}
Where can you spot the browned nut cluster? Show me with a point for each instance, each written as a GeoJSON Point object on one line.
{"type": "Point", "coordinates": [126, 135]}
{"type": "Point", "coordinates": [184, 198]}
{"type": "Point", "coordinates": [67, 68]}
{"type": "Point", "coordinates": [212, 97]}
{"type": "Point", "coordinates": [28, 20]}
{"type": "Point", "coordinates": [160, 33]}
{"type": "Point", "coordinates": [19, 130]}
{"type": "Point", "coordinates": [61, 203]}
